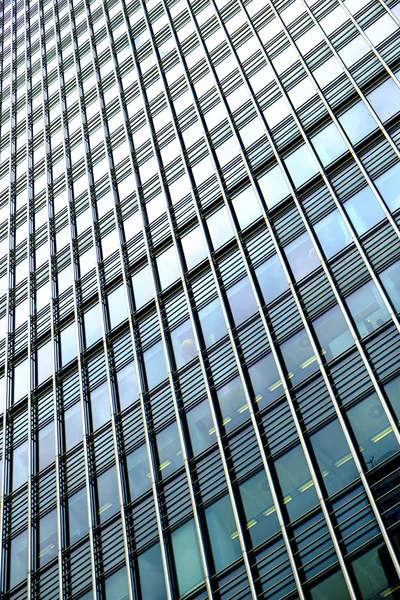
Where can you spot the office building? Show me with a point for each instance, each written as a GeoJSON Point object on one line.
{"type": "Point", "coordinates": [200, 299]}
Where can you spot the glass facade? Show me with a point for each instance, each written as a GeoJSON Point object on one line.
{"type": "Point", "coordinates": [199, 299]}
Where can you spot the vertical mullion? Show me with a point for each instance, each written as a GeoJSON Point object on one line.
{"type": "Point", "coordinates": [6, 468]}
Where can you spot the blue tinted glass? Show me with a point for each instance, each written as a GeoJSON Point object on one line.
{"type": "Point", "coordinates": [19, 466]}
{"type": "Point", "coordinates": [154, 361]}
{"type": "Point", "coordinates": [241, 300]}
{"type": "Point", "coordinates": [363, 210]}
{"type": "Point", "coordinates": [107, 495]}
{"type": "Point", "coordinates": [45, 443]}
{"type": "Point", "coordinates": [302, 256]}
{"type": "Point", "coordinates": [372, 431]}
{"type": "Point", "coordinates": [265, 380]}
{"type": "Point", "coordinates": [357, 122]}
{"type": "Point", "coordinates": [332, 233]}
{"type": "Point", "coordinates": [389, 188]}
{"type": "Point", "coordinates": [301, 165]}
{"type": "Point", "coordinates": [18, 557]}
{"type": "Point", "coordinates": [332, 333]}
{"type": "Point", "coordinates": [295, 482]}
{"type": "Point", "coordinates": [392, 390]}
{"type": "Point", "coordinates": [273, 186]}
{"type": "Point", "coordinates": [100, 406]}
{"type": "Point", "coordinates": [271, 279]}
{"type": "Point", "coordinates": [189, 571]}
{"type": "Point", "coordinates": [377, 563]}
{"type": "Point", "coordinates": [169, 450]}
{"type": "Point", "coordinates": [385, 99]}
{"type": "Point", "coordinates": [299, 357]}
{"type": "Point", "coordinates": [333, 457]}
{"type": "Point", "coordinates": [48, 540]}
{"type": "Point", "coordinates": [138, 468]}
{"type": "Point", "coordinates": [367, 308]}
{"type": "Point", "coordinates": [77, 516]}
{"type": "Point", "coordinates": [127, 385]}
{"type": "Point", "coordinates": [390, 278]}
{"type": "Point", "coordinates": [260, 513]}
{"type": "Point", "coordinates": [328, 144]}
{"type": "Point", "coordinates": [331, 588]}
{"type": "Point", "coordinates": [223, 534]}
{"type": "Point", "coordinates": [232, 402]}
{"type": "Point", "coordinates": [21, 381]}
{"type": "Point", "coordinates": [183, 344]}
{"type": "Point", "coordinates": [116, 586]}
{"type": "Point", "coordinates": [212, 322]}
{"type": "Point", "coordinates": [151, 574]}
{"type": "Point", "coordinates": [201, 429]}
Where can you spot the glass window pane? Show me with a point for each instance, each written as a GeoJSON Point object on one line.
{"type": "Point", "coordinates": [167, 266]}
{"type": "Point", "coordinates": [246, 207]}
{"type": "Point", "coordinates": [375, 574]}
{"type": "Point", "coordinates": [220, 228]}
{"type": "Point", "coordinates": [222, 532]}
{"type": "Point", "coordinates": [271, 279]}
{"type": "Point", "coordinates": [77, 516]}
{"type": "Point", "coordinates": [44, 363]}
{"type": "Point", "coordinates": [183, 344]}
{"type": "Point", "coordinates": [185, 547]}
{"type": "Point", "coordinates": [100, 406]}
{"type": "Point", "coordinates": [260, 513]}
{"type": "Point", "coordinates": [295, 481]}
{"type": "Point", "coordinates": [329, 144]}
{"type": "Point", "coordinates": [46, 454]}
{"type": "Point", "coordinates": [363, 210]}
{"type": "Point", "coordinates": [373, 433]}
{"type": "Point", "coordinates": [357, 122]}
{"type": "Point", "coordinates": [390, 278]}
{"type": "Point", "coordinates": [194, 248]}
{"type": "Point", "coordinates": [107, 495]}
{"type": "Point", "coordinates": [273, 186]}
{"type": "Point", "coordinates": [302, 256]}
{"type": "Point", "coordinates": [265, 380]}
{"type": "Point", "coordinates": [154, 361]}
{"type": "Point", "coordinates": [72, 426]}
{"type": "Point", "coordinates": [201, 429]}
{"type": "Point", "coordinates": [333, 457]}
{"type": "Point", "coordinates": [332, 333]}
{"type": "Point", "coordinates": [241, 300]}
{"type": "Point", "coordinates": [127, 385]}
{"type": "Point", "coordinates": [18, 559]}
{"type": "Point", "coordinates": [212, 322]}
{"type": "Point", "coordinates": [19, 466]}
{"type": "Point", "coordinates": [389, 188]}
{"type": "Point", "coordinates": [301, 165]}
{"type": "Point", "coordinates": [169, 450]}
{"type": "Point", "coordinates": [385, 99]}
{"type": "Point", "coordinates": [20, 381]}
{"type": "Point", "coordinates": [92, 320]}
{"type": "Point", "coordinates": [47, 538]}
{"type": "Point", "coordinates": [68, 344]}
{"type": "Point", "coordinates": [117, 310]}
{"type": "Point", "coordinates": [299, 357]}
{"type": "Point", "coordinates": [142, 287]}
{"type": "Point", "coordinates": [151, 574]}
{"type": "Point", "coordinates": [232, 403]}
{"type": "Point", "coordinates": [331, 588]}
{"type": "Point", "coordinates": [367, 308]}
{"type": "Point", "coordinates": [138, 472]}
{"type": "Point", "coordinates": [116, 586]}
{"type": "Point", "coordinates": [392, 390]}
{"type": "Point", "coordinates": [332, 233]}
